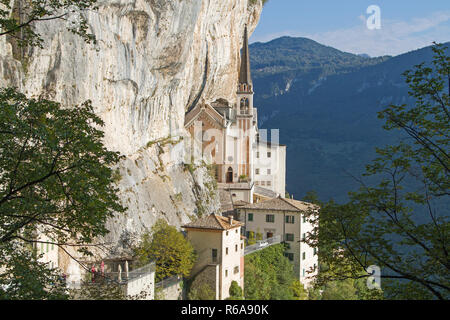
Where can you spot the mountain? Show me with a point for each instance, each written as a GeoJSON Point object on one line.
{"type": "Point", "coordinates": [151, 61]}
{"type": "Point", "coordinates": [325, 103]}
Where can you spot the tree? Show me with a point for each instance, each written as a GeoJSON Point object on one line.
{"type": "Point", "coordinates": [23, 277]}
{"type": "Point", "coordinates": [401, 224]}
{"type": "Point", "coordinates": [17, 19]}
{"type": "Point", "coordinates": [235, 291]}
{"type": "Point", "coordinates": [201, 291]}
{"type": "Point", "coordinates": [56, 176]}
{"type": "Point", "coordinates": [299, 290]}
{"type": "Point", "coordinates": [269, 275]}
{"type": "Point", "coordinates": [172, 252]}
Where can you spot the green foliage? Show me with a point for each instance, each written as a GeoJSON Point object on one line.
{"type": "Point", "coordinates": [400, 224]}
{"type": "Point", "coordinates": [235, 291]}
{"type": "Point", "coordinates": [18, 21]}
{"type": "Point", "coordinates": [243, 178]}
{"type": "Point", "coordinates": [269, 275]}
{"type": "Point", "coordinates": [23, 277]}
{"type": "Point", "coordinates": [55, 171]}
{"type": "Point", "coordinates": [98, 291]}
{"type": "Point", "coordinates": [57, 181]}
{"type": "Point", "coordinates": [299, 290]}
{"type": "Point", "coordinates": [202, 291]}
{"type": "Point", "coordinates": [324, 102]}
{"type": "Point", "coordinates": [252, 237]}
{"type": "Point", "coordinates": [171, 251]}
{"type": "Point", "coordinates": [340, 290]}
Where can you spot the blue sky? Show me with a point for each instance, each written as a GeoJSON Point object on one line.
{"type": "Point", "coordinates": [405, 25]}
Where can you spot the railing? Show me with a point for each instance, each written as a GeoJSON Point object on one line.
{"type": "Point", "coordinates": [168, 282]}
{"type": "Point", "coordinates": [262, 244]}
{"type": "Point", "coordinates": [133, 274]}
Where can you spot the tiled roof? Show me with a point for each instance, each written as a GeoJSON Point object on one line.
{"type": "Point", "coordinates": [240, 203]}
{"type": "Point", "coordinates": [226, 203]}
{"type": "Point", "coordinates": [281, 204]}
{"type": "Point", "coordinates": [265, 192]}
{"type": "Point", "coordinates": [214, 222]}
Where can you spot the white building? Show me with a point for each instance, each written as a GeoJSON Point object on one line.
{"type": "Point", "coordinates": [284, 217]}
{"type": "Point", "coordinates": [270, 166]}
{"type": "Point", "coordinates": [220, 249]}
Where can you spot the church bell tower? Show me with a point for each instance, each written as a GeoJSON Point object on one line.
{"type": "Point", "coordinates": [245, 85]}
{"type": "Point", "coordinates": [244, 113]}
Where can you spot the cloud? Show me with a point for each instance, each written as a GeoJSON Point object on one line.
{"type": "Point", "coordinates": [394, 37]}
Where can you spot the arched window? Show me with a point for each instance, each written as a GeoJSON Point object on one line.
{"type": "Point", "coordinates": [230, 175]}
{"type": "Point", "coordinates": [244, 105]}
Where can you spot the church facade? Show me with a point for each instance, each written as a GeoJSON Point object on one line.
{"type": "Point", "coordinates": [229, 139]}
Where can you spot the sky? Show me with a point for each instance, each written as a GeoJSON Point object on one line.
{"type": "Point", "coordinates": [342, 24]}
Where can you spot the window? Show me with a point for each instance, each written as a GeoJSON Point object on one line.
{"type": "Point", "coordinates": [270, 218]}
{"type": "Point", "coordinates": [303, 272]}
{"type": "Point", "coordinates": [269, 171]}
{"type": "Point", "coordinates": [289, 237]}
{"type": "Point", "coordinates": [290, 219]}
{"type": "Point", "coordinates": [315, 267]}
{"type": "Point", "coordinates": [236, 248]}
{"type": "Point", "coordinates": [227, 232]}
{"type": "Point", "coordinates": [269, 154]}
{"type": "Point", "coordinates": [236, 231]}
{"type": "Point", "coordinates": [242, 246]}
{"type": "Point", "coordinates": [257, 155]}
{"type": "Point", "coordinates": [290, 256]}
{"type": "Point", "coordinates": [257, 183]}
{"type": "Point", "coordinates": [303, 255]}
{"type": "Point", "coordinates": [269, 183]}
{"type": "Point", "coordinates": [236, 269]}
{"type": "Point", "coordinates": [304, 219]}
{"type": "Point", "coordinates": [250, 217]}
{"type": "Point", "coordinates": [214, 255]}
{"type": "Point", "coordinates": [226, 273]}
{"type": "Point", "coordinates": [315, 251]}
{"type": "Point", "coordinates": [304, 237]}
{"type": "Point", "coordinates": [263, 183]}
{"type": "Point", "coordinates": [226, 250]}
{"type": "Point", "coordinates": [257, 171]}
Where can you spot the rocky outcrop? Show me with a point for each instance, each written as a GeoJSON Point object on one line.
{"type": "Point", "coordinates": [153, 60]}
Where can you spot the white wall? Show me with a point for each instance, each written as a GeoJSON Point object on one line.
{"type": "Point", "coordinates": [145, 283]}
{"type": "Point", "coordinates": [276, 164]}
{"type": "Point", "coordinates": [232, 240]}
{"type": "Point", "coordinates": [260, 225]}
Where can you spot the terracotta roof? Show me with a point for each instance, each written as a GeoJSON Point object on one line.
{"type": "Point", "coordinates": [214, 222]}
{"type": "Point", "coordinates": [281, 204]}
{"type": "Point", "coordinates": [240, 203]}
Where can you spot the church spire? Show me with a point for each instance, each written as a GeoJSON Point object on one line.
{"type": "Point", "coordinates": [244, 73]}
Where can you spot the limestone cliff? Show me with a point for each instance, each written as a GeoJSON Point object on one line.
{"type": "Point", "coordinates": [153, 60]}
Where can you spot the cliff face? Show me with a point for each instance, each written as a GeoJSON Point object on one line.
{"type": "Point", "coordinates": [153, 60]}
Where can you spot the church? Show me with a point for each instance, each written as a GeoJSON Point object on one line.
{"type": "Point", "coordinates": [246, 166]}
{"type": "Point", "coordinates": [250, 171]}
